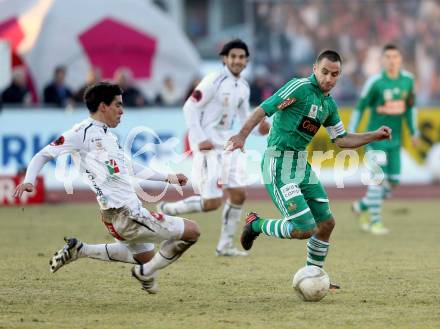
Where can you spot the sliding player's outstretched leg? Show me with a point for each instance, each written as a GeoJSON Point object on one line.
{"type": "Point", "coordinates": [169, 252]}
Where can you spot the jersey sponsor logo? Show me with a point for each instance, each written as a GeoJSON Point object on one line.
{"type": "Point", "coordinates": [112, 167]}
{"type": "Point", "coordinates": [286, 103]}
{"type": "Point", "coordinates": [309, 126]}
{"type": "Point", "coordinates": [290, 191]}
{"type": "Point", "coordinates": [196, 95]}
{"type": "Point", "coordinates": [396, 107]}
{"type": "Point", "coordinates": [59, 141]}
{"type": "Point", "coordinates": [313, 111]}
{"type": "Point", "coordinates": [226, 101]}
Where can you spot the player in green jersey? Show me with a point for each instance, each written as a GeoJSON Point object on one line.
{"type": "Point", "coordinates": [299, 108]}
{"type": "Point", "coordinates": [390, 97]}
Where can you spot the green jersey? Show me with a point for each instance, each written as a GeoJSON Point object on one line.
{"type": "Point", "coordinates": [390, 101]}
{"type": "Point", "coordinates": [299, 109]}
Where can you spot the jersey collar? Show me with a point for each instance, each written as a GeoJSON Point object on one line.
{"type": "Point", "coordinates": [99, 124]}
{"type": "Point", "coordinates": [229, 73]}
{"type": "Point", "coordinates": [313, 80]}
{"type": "Point", "coordinates": [385, 75]}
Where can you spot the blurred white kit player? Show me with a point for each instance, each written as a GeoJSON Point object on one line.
{"type": "Point", "coordinates": [108, 173]}
{"type": "Point", "coordinates": [210, 112]}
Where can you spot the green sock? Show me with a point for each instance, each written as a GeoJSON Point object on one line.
{"type": "Point", "coordinates": [362, 205]}
{"type": "Point", "coordinates": [316, 251]}
{"type": "Point", "coordinates": [279, 228]}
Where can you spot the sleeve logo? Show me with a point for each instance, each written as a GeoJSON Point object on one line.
{"type": "Point", "coordinates": [196, 95]}
{"type": "Point", "coordinates": [286, 103]}
{"type": "Point", "coordinates": [59, 141]}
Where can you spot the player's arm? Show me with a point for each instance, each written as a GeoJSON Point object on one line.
{"type": "Point", "coordinates": [237, 141]}
{"type": "Point", "coordinates": [338, 135]}
{"type": "Point", "coordinates": [411, 117]}
{"type": "Point", "coordinates": [67, 143]}
{"type": "Point", "coordinates": [244, 112]}
{"type": "Point", "coordinates": [193, 109]}
{"type": "Point", "coordinates": [37, 163]}
{"type": "Point", "coordinates": [355, 140]}
{"type": "Point", "coordinates": [147, 173]}
{"type": "Point", "coordinates": [283, 98]}
{"type": "Point", "coordinates": [365, 100]}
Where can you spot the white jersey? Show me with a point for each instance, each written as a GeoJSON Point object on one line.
{"type": "Point", "coordinates": [102, 162]}
{"type": "Point", "coordinates": [213, 106]}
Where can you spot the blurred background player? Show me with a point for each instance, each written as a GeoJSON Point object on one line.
{"type": "Point", "coordinates": [107, 172]}
{"type": "Point", "coordinates": [390, 97]}
{"type": "Point", "coordinates": [209, 113]}
{"type": "Point", "coordinates": [300, 107]}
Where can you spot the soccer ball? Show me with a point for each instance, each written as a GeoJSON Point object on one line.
{"type": "Point", "coordinates": [311, 283]}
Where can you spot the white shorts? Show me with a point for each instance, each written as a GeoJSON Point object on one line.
{"type": "Point", "coordinates": [214, 170]}
{"type": "Point", "coordinates": [138, 228]}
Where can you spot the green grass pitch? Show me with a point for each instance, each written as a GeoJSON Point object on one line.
{"type": "Point", "coordinates": [387, 282]}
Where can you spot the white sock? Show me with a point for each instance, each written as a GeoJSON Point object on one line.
{"type": "Point", "coordinates": [115, 252]}
{"type": "Point", "coordinates": [230, 218]}
{"type": "Point", "coordinates": [191, 204]}
{"type": "Point", "coordinates": [169, 252]}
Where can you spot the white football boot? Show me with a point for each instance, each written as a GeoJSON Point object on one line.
{"type": "Point", "coordinates": [148, 283]}
{"type": "Point", "coordinates": [231, 252]}
{"type": "Point", "coordinates": [65, 255]}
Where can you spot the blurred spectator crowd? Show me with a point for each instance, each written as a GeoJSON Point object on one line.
{"type": "Point", "coordinates": [58, 94]}
{"type": "Point", "coordinates": [286, 37]}
{"type": "Point", "coordinates": [289, 34]}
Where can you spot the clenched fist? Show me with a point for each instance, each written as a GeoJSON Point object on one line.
{"type": "Point", "coordinates": [383, 132]}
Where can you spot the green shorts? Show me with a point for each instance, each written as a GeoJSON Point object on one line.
{"type": "Point", "coordinates": [295, 189]}
{"type": "Point", "coordinates": [389, 161]}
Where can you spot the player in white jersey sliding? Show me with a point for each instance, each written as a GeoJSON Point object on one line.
{"type": "Point", "coordinates": [107, 171]}
{"type": "Point", "coordinates": [209, 113]}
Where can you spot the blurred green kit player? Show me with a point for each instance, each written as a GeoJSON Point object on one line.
{"type": "Point", "coordinates": [299, 108]}
{"type": "Point", "coordinates": [390, 97]}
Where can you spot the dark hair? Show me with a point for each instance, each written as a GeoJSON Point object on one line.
{"type": "Point", "coordinates": [236, 43]}
{"type": "Point", "coordinates": [331, 55]}
{"type": "Point", "coordinates": [100, 92]}
{"type": "Point", "coordinates": [389, 46]}
{"type": "Point", "coordinates": [59, 68]}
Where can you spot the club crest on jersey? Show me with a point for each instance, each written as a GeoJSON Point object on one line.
{"type": "Point", "coordinates": [309, 126]}
{"type": "Point", "coordinates": [112, 167]}
{"type": "Point", "coordinates": [388, 94]}
{"type": "Point", "coordinates": [313, 111]}
{"type": "Point", "coordinates": [59, 141]}
{"type": "Point", "coordinates": [286, 103]}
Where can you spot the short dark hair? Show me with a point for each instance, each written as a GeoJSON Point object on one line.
{"type": "Point", "coordinates": [59, 68]}
{"type": "Point", "coordinates": [331, 55]}
{"type": "Point", "coordinates": [389, 46]}
{"type": "Point", "coordinates": [236, 43]}
{"type": "Point", "coordinates": [100, 92]}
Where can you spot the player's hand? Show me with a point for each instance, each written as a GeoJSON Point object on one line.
{"type": "Point", "coordinates": [235, 142]}
{"type": "Point", "coordinates": [206, 145]}
{"type": "Point", "coordinates": [21, 188]}
{"type": "Point", "coordinates": [382, 133]}
{"type": "Point", "coordinates": [415, 141]}
{"type": "Point", "coordinates": [178, 179]}
{"type": "Point", "coordinates": [264, 127]}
